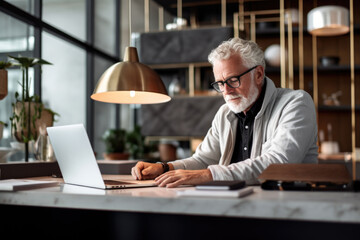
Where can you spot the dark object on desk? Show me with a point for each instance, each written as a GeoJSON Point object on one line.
{"type": "Point", "coordinates": [221, 185]}
{"type": "Point", "coordinates": [27, 170]}
{"type": "Point", "coordinates": [304, 186]}
{"type": "Point", "coordinates": [356, 185]}
{"type": "Point", "coordinates": [306, 177]}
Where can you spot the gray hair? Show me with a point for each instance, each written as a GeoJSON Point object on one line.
{"type": "Point", "coordinates": [249, 52]}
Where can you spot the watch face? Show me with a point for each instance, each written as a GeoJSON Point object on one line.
{"type": "Point", "coordinates": [165, 167]}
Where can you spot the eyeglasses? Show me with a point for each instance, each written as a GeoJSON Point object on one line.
{"type": "Point", "coordinates": [233, 82]}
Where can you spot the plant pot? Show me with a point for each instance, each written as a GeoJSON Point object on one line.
{"type": "Point", "coordinates": [116, 156]}
{"type": "Point", "coordinates": [45, 118]}
{"type": "Point", "coordinates": [3, 83]}
{"type": "Point", "coordinates": [167, 152]}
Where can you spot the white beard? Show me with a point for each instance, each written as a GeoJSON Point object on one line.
{"type": "Point", "coordinates": [244, 102]}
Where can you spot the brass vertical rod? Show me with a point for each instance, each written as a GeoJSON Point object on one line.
{"type": "Point", "coordinates": [161, 18]}
{"type": "Point", "coordinates": [179, 8]}
{"type": "Point", "coordinates": [197, 78]}
{"type": "Point", "coordinates": [193, 24]}
{"type": "Point", "coordinates": [315, 76]}
{"type": "Point", "coordinates": [241, 15]}
{"type": "Point", "coordinates": [282, 45]}
{"type": "Point", "coordinates": [147, 15]}
{"type": "Point", "coordinates": [191, 80]}
{"type": "Point", "coordinates": [236, 25]}
{"type": "Point", "coordinates": [253, 27]}
{"type": "Point", "coordinates": [352, 68]}
{"type": "Point", "coordinates": [223, 13]}
{"type": "Point", "coordinates": [301, 46]}
{"type": "Point", "coordinates": [129, 22]}
{"type": "Point", "coordinates": [290, 50]}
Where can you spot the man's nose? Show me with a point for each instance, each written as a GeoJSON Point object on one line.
{"type": "Point", "coordinates": [227, 89]}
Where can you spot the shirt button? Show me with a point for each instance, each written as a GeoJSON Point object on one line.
{"type": "Point", "coordinates": [246, 127]}
{"type": "Point", "coordinates": [245, 148]}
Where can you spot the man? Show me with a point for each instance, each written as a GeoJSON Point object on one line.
{"type": "Point", "coordinates": [259, 125]}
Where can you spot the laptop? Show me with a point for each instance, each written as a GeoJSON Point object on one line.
{"type": "Point", "coordinates": [77, 161]}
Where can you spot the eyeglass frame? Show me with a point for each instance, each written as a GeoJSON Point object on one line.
{"type": "Point", "coordinates": [226, 80]}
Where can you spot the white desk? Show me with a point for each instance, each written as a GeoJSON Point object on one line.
{"type": "Point", "coordinates": [320, 207]}
{"type": "Point", "coordinates": [290, 205]}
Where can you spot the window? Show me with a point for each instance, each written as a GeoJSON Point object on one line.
{"type": "Point", "coordinates": [64, 82]}
{"type": "Point", "coordinates": [70, 35]}
{"type": "Point", "coordinates": [16, 38]}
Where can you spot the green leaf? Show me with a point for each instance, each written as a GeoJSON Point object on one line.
{"type": "Point", "coordinates": [4, 65]}
{"type": "Point", "coordinates": [27, 62]}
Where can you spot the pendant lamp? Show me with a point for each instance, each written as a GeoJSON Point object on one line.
{"type": "Point", "coordinates": [130, 82]}
{"type": "Point", "coordinates": [328, 21]}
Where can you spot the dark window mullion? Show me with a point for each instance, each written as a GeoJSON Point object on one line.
{"type": "Point", "coordinates": [117, 54]}
{"type": "Point", "coordinates": [90, 36]}
{"type": "Point", "coordinates": [37, 48]}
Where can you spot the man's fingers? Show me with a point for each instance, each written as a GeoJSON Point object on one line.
{"type": "Point", "coordinates": [137, 170]}
{"type": "Point", "coordinates": [179, 177]}
{"type": "Point", "coordinates": [171, 181]}
{"type": "Point", "coordinates": [145, 171]}
{"type": "Point", "coordinates": [174, 184]}
{"type": "Point", "coordinates": [133, 173]}
{"type": "Point", "coordinates": [137, 173]}
{"type": "Point", "coordinates": [166, 179]}
{"type": "Point", "coordinates": [162, 177]}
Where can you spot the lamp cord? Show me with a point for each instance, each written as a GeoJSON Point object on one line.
{"type": "Point", "coordinates": [129, 22]}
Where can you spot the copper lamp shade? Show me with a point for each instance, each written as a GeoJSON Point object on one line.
{"type": "Point", "coordinates": [130, 82]}
{"type": "Point", "coordinates": [328, 21]}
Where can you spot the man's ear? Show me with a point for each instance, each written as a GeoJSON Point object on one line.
{"type": "Point", "coordinates": [259, 75]}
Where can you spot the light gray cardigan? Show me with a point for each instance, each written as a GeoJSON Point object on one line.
{"type": "Point", "coordinates": [285, 131]}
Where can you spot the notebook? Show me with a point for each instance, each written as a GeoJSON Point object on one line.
{"type": "Point", "coordinates": [77, 161]}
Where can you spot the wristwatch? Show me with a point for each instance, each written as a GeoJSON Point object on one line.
{"type": "Point", "coordinates": [165, 166]}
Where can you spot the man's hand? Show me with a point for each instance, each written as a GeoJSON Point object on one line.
{"type": "Point", "coordinates": [180, 177]}
{"type": "Point", "coordinates": [146, 171]}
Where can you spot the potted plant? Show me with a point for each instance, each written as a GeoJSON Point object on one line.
{"type": "Point", "coordinates": [137, 146]}
{"type": "Point", "coordinates": [28, 111]}
{"type": "Point", "coordinates": [115, 143]}
{"type": "Point", "coordinates": [4, 79]}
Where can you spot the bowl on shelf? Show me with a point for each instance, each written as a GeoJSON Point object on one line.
{"type": "Point", "coordinates": [329, 61]}
{"type": "Point", "coordinates": [272, 55]}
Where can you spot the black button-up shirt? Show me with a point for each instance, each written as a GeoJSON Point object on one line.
{"type": "Point", "coordinates": [244, 132]}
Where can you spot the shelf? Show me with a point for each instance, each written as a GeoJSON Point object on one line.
{"type": "Point", "coordinates": [275, 31]}
{"type": "Point", "coordinates": [179, 65]}
{"type": "Point", "coordinates": [342, 68]}
{"type": "Point", "coordinates": [269, 69]}
{"type": "Point", "coordinates": [321, 69]}
{"type": "Point", "coordinates": [344, 108]}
